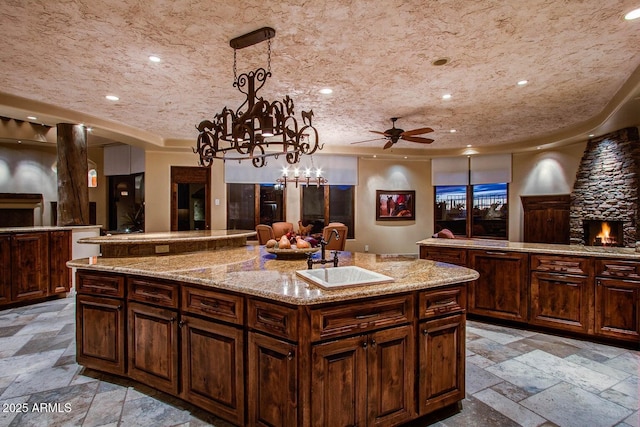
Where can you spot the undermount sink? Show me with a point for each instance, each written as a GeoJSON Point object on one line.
{"type": "Point", "coordinates": [341, 277]}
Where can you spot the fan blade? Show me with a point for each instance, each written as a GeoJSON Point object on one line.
{"type": "Point", "coordinates": [417, 139]}
{"type": "Point", "coordinates": [416, 131]}
{"type": "Point", "coordinates": [381, 133]}
{"type": "Point", "coordinates": [388, 144]}
{"type": "Point", "coordinates": [367, 140]}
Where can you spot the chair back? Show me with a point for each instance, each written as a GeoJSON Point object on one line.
{"type": "Point", "coordinates": [330, 237]}
{"type": "Point", "coordinates": [281, 228]}
{"type": "Point", "coordinates": [265, 232]}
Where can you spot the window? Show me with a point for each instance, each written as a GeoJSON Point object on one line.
{"type": "Point", "coordinates": [489, 218]}
{"type": "Point", "coordinates": [330, 203]}
{"type": "Point", "coordinates": [251, 204]}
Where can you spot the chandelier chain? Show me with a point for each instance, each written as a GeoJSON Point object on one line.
{"type": "Point", "coordinates": [269, 56]}
{"type": "Point", "coordinates": [235, 65]}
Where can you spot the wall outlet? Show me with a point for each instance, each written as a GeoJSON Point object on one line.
{"type": "Point", "coordinates": [162, 249]}
{"type": "Point", "coordinates": [216, 202]}
{"type": "Point", "coordinates": [366, 248]}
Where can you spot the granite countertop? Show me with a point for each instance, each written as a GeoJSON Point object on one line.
{"type": "Point", "coordinates": [251, 270]}
{"type": "Point", "coordinates": [547, 248]}
{"type": "Point", "coordinates": [33, 228]}
{"type": "Point", "coordinates": [166, 237]}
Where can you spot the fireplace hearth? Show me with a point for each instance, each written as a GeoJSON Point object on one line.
{"type": "Point", "coordinates": [603, 233]}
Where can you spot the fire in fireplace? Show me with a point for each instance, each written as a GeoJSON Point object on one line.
{"type": "Point", "coordinates": [603, 233]}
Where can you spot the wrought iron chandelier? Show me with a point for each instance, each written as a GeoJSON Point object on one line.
{"type": "Point", "coordinates": [249, 131]}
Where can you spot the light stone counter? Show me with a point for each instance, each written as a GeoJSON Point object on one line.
{"type": "Point", "coordinates": [571, 250]}
{"type": "Point", "coordinates": [252, 271]}
{"type": "Point", "coordinates": [174, 242]}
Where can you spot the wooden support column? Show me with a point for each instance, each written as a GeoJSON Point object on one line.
{"type": "Point", "coordinates": [73, 187]}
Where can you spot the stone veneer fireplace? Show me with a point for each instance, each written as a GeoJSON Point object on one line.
{"type": "Point", "coordinates": [607, 187]}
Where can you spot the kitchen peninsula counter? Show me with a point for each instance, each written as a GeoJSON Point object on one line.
{"type": "Point", "coordinates": [168, 242]}
{"type": "Point", "coordinates": [589, 291]}
{"type": "Point", "coordinates": [238, 333]}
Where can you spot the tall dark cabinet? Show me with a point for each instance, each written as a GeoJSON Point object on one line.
{"type": "Point", "coordinates": [546, 218]}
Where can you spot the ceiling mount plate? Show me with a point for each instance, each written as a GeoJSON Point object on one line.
{"type": "Point", "coordinates": [254, 37]}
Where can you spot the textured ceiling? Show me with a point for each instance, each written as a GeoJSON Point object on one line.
{"type": "Point", "coordinates": [581, 59]}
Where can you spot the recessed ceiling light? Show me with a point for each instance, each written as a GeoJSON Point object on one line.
{"type": "Point", "coordinates": [405, 157]}
{"type": "Point", "coordinates": [469, 145]}
{"type": "Point", "coordinates": [326, 90]}
{"type": "Point", "coordinates": [19, 142]}
{"type": "Point", "coordinates": [154, 58]}
{"type": "Point", "coordinates": [634, 14]}
{"type": "Point", "coordinates": [523, 82]}
{"type": "Point", "coordinates": [112, 98]}
{"type": "Point", "coordinates": [453, 131]}
{"type": "Point", "coordinates": [375, 156]}
{"type": "Point", "coordinates": [538, 148]}
{"type": "Point", "coordinates": [32, 118]}
{"type": "Point", "coordinates": [89, 129]}
{"type": "Point", "coordinates": [446, 96]}
{"type": "Point", "coordinates": [591, 135]}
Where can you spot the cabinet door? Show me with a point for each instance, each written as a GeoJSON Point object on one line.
{"type": "Point", "coordinates": [618, 309]}
{"type": "Point", "coordinates": [30, 265]}
{"type": "Point", "coordinates": [153, 346]}
{"type": "Point", "coordinates": [59, 254]}
{"type": "Point", "coordinates": [339, 382]}
{"type": "Point", "coordinates": [546, 218]}
{"type": "Point", "coordinates": [213, 367]}
{"type": "Point", "coordinates": [441, 359]}
{"type": "Point", "coordinates": [501, 289]}
{"type": "Point", "coordinates": [5, 268]}
{"type": "Point", "coordinates": [560, 301]}
{"type": "Point", "coordinates": [100, 333]}
{"type": "Point", "coordinates": [272, 382]}
{"type": "Point", "coordinates": [390, 376]}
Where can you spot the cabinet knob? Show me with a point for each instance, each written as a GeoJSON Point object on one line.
{"type": "Point", "coordinates": [364, 345]}
{"type": "Point", "coordinates": [290, 355]}
{"type": "Point", "coordinates": [425, 332]}
{"type": "Point", "coordinates": [182, 323]}
{"type": "Point", "coordinates": [373, 343]}
{"type": "Point", "coordinates": [172, 320]}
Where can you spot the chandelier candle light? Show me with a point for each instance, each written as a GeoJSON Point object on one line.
{"type": "Point", "coordinates": [309, 177]}
{"type": "Point", "coordinates": [247, 132]}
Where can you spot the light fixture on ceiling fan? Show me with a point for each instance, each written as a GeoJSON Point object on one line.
{"type": "Point", "coordinates": [249, 131]}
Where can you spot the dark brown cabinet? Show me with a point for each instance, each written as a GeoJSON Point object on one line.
{"type": "Point", "coordinates": [441, 362]}
{"type": "Point", "coordinates": [100, 322]}
{"type": "Point", "coordinates": [33, 265]}
{"type": "Point", "coordinates": [272, 382]}
{"type": "Point", "coordinates": [29, 266]}
{"type": "Point", "coordinates": [562, 292]}
{"type": "Point", "coordinates": [617, 299]}
{"type": "Point", "coordinates": [501, 290]}
{"type": "Point", "coordinates": [448, 255]}
{"type": "Point", "coordinates": [213, 367]}
{"type": "Point", "coordinates": [546, 218]}
{"type": "Point", "coordinates": [153, 346]}
{"type": "Point", "coordinates": [5, 269]}
{"type": "Point", "coordinates": [364, 380]}
{"type": "Point", "coordinates": [59, 253]}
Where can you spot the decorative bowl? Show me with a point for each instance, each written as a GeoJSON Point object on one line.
{"type": "Point", "coordinates": [293, 253]}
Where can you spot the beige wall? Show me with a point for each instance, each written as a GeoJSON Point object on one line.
{"type": "Point", "coordinates": [543, 172]}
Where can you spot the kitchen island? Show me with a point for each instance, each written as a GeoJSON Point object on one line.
{"type": "Point", "coordinates": [238, 333]}
{"type": "Point", "coordinates": [586, 291]}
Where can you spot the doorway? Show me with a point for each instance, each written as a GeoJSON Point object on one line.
{"type": "Point", "coordinates": [190, 198]}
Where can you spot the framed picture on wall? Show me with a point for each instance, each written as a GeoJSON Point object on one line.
{"type": "Point", "coordinates": [393, 205]}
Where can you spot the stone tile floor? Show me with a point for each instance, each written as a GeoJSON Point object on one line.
{"type": "Point", "coordinates": [514, 378]}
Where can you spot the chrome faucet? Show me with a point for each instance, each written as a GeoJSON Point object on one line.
{"type": "Point", "coordinates": [323, 244]}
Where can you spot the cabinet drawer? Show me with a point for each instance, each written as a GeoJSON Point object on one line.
{"type": "Point", "coordinates": [100, 284]}
{"type": "Point", "coordinates": [339, 320]}
{"type": "Point", "coordinates": [449, 255]}
{"type": "Point", "coordinates": [618, 268]}
{"type": "Point", "coordinates": [442, 302]}
{"type": "Point", "coordinates": [561, 264]}
{"type": "Point", "coordinates": [212, 304]}
{"type": "Point", "coordinates": [273, 319]}
{"type": "Point", "coordinates": [153, 291]}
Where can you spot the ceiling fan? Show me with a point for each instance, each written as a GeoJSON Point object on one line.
{"type": "Point", "coordinates": [395, 134]}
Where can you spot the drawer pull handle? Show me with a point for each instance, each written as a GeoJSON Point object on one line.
{"type": "Point", "coordinates": [367, 316]}
{"type": "Point", "coordinates": [290, 355]}
{"type": "Point", "coordinates": [265, 317]}
{"type": "Point", "coordinates": [206, 304]}
{"type": "Point", "coordinates": [495, 253]}
{"type": "Point", "coordinates": [444, 302]}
